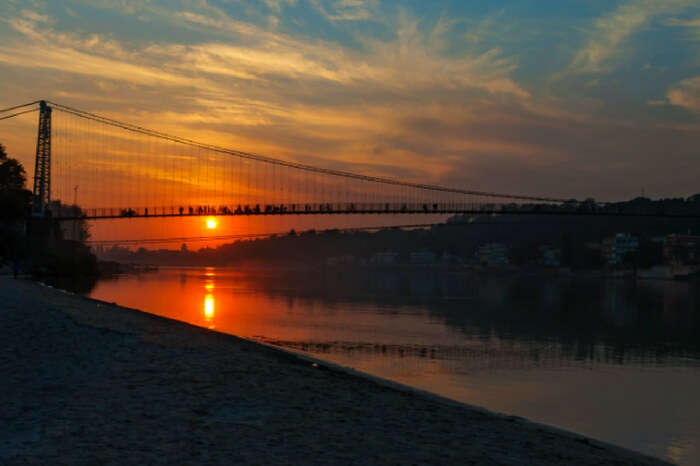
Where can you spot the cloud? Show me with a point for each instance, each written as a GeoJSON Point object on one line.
{"type": "Point", "coordinates": [90, 56]}
{"type": "Point", "coordinates": [348, 10]}
{"type": "Point", "coordinates": [686, 94]}
{"type": "Point", "coordinates": [36, 17]}
{"type": "Point", "coordinates": [126, 7]}
{"type": "Point", "coordinates": [422, 103]}
{"type": "Point", "coordinates": [75, 62]}
{"type": "Point", "coordinates": [692, 24]}
{"type": "Point", "coordinates": [410, 63]}
{"type": "Point", "coordinates": [299, 98]}
{"type": "Point", "coordinates": [607, 38]}
{"type": "Point", "coordinates": [276, 5]}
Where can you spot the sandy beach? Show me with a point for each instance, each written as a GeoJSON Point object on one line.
{"type": "Point", "coordinates": [85, 382]}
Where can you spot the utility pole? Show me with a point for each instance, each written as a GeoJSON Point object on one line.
{"type": "Point", "coordinates": [75, 210]}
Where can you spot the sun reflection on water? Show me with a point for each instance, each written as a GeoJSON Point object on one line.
{"type": "Point", "coordinates": [209, 308]}
{"type": "Point", "coordinates": [209, 301]}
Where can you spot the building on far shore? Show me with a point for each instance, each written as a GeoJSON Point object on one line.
{"type": "Point", "coordinates": [614, 249]}
{"type": "Point", "coordinates": [422, 258]}
{"type": "Point", "coordinates": [448, 259]}
{"type": "Point", "coordinates": [343, 260]}
{"type": "Point", "coordinates": [550, 256]}
{"type": "Point", "coordinates": [682, 249]}
{"type": "Point", "coordinates": [384, 258]}
{"type": "Point", "coordinates": [492, 255]}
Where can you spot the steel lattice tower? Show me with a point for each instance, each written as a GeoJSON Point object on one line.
{"type": "Point", "coordinates": [42, 168]}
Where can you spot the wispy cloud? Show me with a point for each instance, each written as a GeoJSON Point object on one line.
{"type": "Point", "coordinates": [91, 56]}
{"type": "Point", "coordinates": [686, 94]}
{"type": "Point", "coordinates": [321, 93]}
{"type": "Point", "coordinates": [276, 5]}
{"type": "Point", "coordinates": [35, 17]}
{"type": "Point", "coordinates": [347, 10]}
{"type": "Point", "coordinates": [692, 24]}
{"type": "Point", "coordinates": [127, 7]}
{"type": "Point", "coordinates": [439, 96]}
{"type": "Point", "coordinates": [606, 40]}
{"type": "Point", "coordinates": [411, 62]}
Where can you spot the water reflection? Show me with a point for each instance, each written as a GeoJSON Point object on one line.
{"type": "Point", "coordinates": [209, 309]}
{"type": "Point", "coordinates": [209, 302]}
{"type": "Point", "coordinates": [596, 356]}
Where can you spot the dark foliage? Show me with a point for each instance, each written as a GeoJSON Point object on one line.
{"type": "Point", "coordinates": [14, 206]}
{"type": "Point", "coordinates": [38, 242]}
{"type": "Point", "coordinates": [14, 198]}
{"type": "Point", "coordinates": [12, 175]}
{"type": "Point", "coordinates": [68, 258]}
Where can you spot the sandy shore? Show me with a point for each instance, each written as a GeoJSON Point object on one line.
{"type": "Point", "coordinates": [90, 383]}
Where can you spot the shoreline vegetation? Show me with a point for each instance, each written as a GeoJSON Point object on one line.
{"type": "Point", "coordinates": [88, 382]}
{"type": "Point", "coordinates": [37, 244]}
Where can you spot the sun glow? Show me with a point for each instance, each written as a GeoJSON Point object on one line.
{"type": "Point", "coordinates": [209, 307]}
{"type": "Point", "coordinates": [211, 223]}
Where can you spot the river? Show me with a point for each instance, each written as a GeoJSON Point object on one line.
{"type": "Point", "coordinates": [617, 360]}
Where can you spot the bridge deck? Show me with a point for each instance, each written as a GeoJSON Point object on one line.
{"type": "Point", "coordinates": [70, 213]}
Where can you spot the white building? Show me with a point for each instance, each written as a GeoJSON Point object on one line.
{"type": "Point", "coordinates": [384, 258]}
{"type": "Point", "coordinates": [550, 256]}
{"type": "Point", "coordinates": [492, 254]}
{"type": "Point", "coordinates": [341, 260]}
{"type": "Point", "coordinates": [617, 247]}
{"type": "Point", "coordinates": [423, 258]}
{"type": "Point", "coordinates": [450, 259]}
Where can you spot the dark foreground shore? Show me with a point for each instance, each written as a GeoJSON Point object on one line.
{"type": "Point", "coordinates": [90, 383]}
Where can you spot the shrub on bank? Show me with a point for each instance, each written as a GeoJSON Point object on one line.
{"type": "Point", "coordinates": [65, 258]}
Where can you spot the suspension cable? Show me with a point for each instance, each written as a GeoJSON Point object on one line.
{"type": "Point", "coordinates": [5, 117]}
{"type": "Point", "coordinates": [299, 166]}
{"type": "Point", "coordinates": [9, 109]}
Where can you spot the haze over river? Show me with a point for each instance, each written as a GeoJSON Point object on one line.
{"type": "Point", "coordinates": [617, 360]}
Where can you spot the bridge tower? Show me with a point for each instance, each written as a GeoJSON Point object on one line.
{"type": "Point", "coordinates": [42, 167]}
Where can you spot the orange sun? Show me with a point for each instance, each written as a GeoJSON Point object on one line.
{"type": "Point", "coordinates": [211, 223]}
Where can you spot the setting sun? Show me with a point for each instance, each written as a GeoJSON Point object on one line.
{"type": "Point", "coordinates": [211, 223]}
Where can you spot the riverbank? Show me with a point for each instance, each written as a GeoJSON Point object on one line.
{"type": "Point", "coordinates": [87, 382]}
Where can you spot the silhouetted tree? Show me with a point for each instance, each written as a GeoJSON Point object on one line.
{"type": "Point", "coordinates": [12, 175]}
{"type": "Point", "coordinates": [14, 199]}
{"type": "Point", "coordinates": [14, 205]}
{"type": "Point", "coordinates": [76, 230]}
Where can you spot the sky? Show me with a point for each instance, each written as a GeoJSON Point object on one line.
{"type": "Point", "coordinates": [595, 98]}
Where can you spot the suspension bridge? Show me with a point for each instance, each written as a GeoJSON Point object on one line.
{"type": "Point", "coordinates": [125, 171]}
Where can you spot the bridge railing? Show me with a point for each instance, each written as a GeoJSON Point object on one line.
{"type": "Point", "coordinates": [290, 209]}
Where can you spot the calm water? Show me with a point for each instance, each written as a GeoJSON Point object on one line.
{"type": "Point", "coordinates": [616, 360]}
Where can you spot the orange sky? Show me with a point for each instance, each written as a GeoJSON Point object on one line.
{"type": "Point", "coordinates": [570, 100]}
{"type": "Point", "coordinates": [115, 169]}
